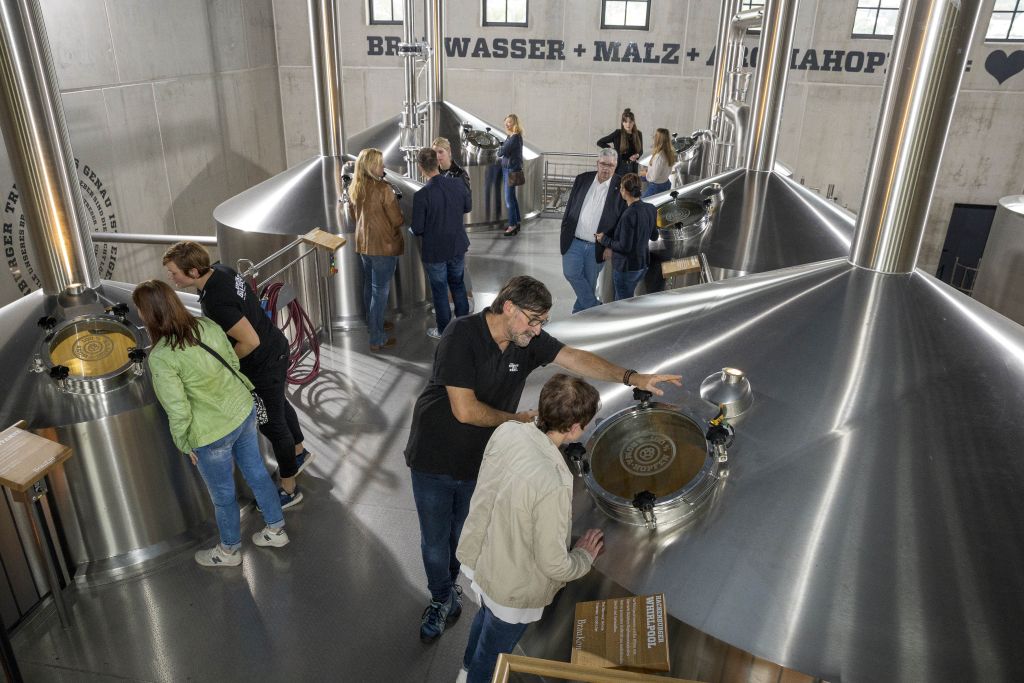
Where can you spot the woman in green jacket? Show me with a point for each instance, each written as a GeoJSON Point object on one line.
{"type": "Point", "coordinates": [211, 414]}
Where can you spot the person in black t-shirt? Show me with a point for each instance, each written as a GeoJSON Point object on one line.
{"type": "Point", "coordinates": [480, 370]}
{"type": "Point", "coordinates": [262, 350]}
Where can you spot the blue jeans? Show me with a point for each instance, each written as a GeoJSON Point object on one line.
{"type": "Point", "coordinates": [442, 504]}
{"type": "Point", "coordinates": [625, 282]}
{"type": "Point", "coordinates": [510, 200]}
{"type": "Point", "coordinates": [488, 637]}
{"type": "Point", "coordinates": [216, 464]}
{"type": "Point", "coordinates": [657, 188]}
{"type": "Point", "coordinates": [377, 274]}
{"type": "Point", "coordinates": [444, 276]}
{"type": "Point", "coordinates": [580, 268]}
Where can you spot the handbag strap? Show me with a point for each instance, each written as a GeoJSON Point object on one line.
{"type": "Point", "coordinates": [224, 363]}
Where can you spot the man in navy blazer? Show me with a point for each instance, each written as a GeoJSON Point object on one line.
{"type": "Point", "coordinates": [437, 210]}
{"type": "Point", "coordinates": [594, 206]}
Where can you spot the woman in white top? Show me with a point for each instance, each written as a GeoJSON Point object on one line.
{"type": "Point", "coordinates": [663, 158]}
{"type": "Point", "coordinates": [514, 544]}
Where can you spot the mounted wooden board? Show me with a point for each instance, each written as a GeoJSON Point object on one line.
{"type": "Point", "coordinates": [25, 458]}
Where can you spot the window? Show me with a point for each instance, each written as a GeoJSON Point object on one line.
{"type": "Point", "coordinates": [1007, 23]}
{"type": "Point", "coordinates": [386, 11]}
{"type": "Point", "coordinates": [876, 18]}
{"type": "Point", "coordinates": [626, 14]}
{"type": "Point", "coordinates": [505, 12]}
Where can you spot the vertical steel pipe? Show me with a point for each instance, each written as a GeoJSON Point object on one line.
{"type": "Point", "coordinates": [928, 59]}
{"type": "Point", "coordinates": [729, 8]}
{"type": "Point", "coordinates": [434, 13]}
{"type": "Point", "coordinates": [409, 141]}
{"type": "Point", "coordinates": [32, 120]}
{"type": "Point", "coordinates": [323, 27]}
{"type": "Point", "coordinates": [773, 57]}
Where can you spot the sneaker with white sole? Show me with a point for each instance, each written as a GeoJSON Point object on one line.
{"type": "Point", "coordinates": [302, 460]}
{"type": "Point", "coordinates": [434, 333]}
{"type": "Point", "coordinates": [218, 557]}
{"type": "Point", "coordinates": [270, 538]}
{"type": "Point", "coordinates": [289, 499]}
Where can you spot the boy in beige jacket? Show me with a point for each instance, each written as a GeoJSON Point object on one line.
{"type": "Point", "coordinates": [514, 545]}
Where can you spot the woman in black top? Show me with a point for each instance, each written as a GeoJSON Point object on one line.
{"type": "Point", "coordinates": [630, 239]}
{"type": "Point", "coordinates": [628, 141]}
{"type": "Point", "coordinates": [511, 154]}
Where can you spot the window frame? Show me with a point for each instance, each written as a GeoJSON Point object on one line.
{"type": "Point", "coordinates": [512, 24]}
{"type": "Point", "coordinates": [371, 21]}
{"type": "Point", "coordinates": [1017, 13]}
{"type": "Point", "coordinates": [622, 27]}
{"type": "Point", "coordinates": [875, 36]}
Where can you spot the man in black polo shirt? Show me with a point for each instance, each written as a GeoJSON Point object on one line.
{"type": "Point", "coordinates": [480, 370]}
{"type": "Point", "coordinates": [262, 350]}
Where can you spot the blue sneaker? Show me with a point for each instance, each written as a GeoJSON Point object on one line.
{"type": "Point", "coordinates": [439, 615]}
{"type": "Point", "coordinates": [302, 460]}
{"type": "Point", "coordinates": [289, 499]}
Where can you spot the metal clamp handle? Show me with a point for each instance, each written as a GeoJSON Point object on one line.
{"type": "Point", "coordinates": [644, 502]}
{"type": "Point", "coordinates": [576, 454]}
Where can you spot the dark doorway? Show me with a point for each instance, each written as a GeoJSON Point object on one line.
{"type": "Point", "coordinates": [966, 236]}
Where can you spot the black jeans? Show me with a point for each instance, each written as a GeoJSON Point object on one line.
{"type": "Point", "coordinates": [282, 428]}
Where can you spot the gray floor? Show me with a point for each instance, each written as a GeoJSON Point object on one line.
{"type": "Point", "coordinates": [342, 602]}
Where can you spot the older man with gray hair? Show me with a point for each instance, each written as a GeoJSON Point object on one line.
{"type": "Point", "coordinates": [594, 206]}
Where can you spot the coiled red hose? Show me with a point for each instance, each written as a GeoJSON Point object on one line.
{"type": "Point", "coordinates": [304, 331]}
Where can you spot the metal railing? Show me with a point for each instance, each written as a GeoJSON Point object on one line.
{"type": "Point", "coordinates": [560, 170]}
{"type": "Point", "coordinates": [508, 664]}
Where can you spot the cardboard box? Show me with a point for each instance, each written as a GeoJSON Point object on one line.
{"type": "Point", "coordinates": [622, 633]}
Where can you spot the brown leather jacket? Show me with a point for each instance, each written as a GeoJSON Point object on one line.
{"type": "Point", "coordinates": [378, 222]}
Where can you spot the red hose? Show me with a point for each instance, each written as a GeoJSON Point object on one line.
{"type": "Point", "coordinates": [304, 331]}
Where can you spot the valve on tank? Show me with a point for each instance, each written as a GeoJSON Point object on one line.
{"type": "Point", "coordinates": [576, 453]}
{"type": "Point", "coordinates": [644, 397]}
{"type": "Point", "coordinates": [119, 311]}
{"type": "Point", "coordinates": [644, 502]}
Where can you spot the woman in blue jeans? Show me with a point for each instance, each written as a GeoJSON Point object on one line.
{"type": "Point", "coordinates": [379, 241]}
{"type": "Point", "coordinates": [630, 239]}
{"type": "Point", "coordinates": [210, 412]}
{"type": "Point", "coordinates": [511, 154]}
{"type": "Point", "coordinates": [663, 158]}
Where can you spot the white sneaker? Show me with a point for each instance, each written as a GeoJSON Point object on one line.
{"type": "Point", "coordinates": [434, 333]}
{"type": "Point", "coordinates": [463, 675]}
{"type": "Point", "coordinates": [218, 557]}
{"type": "Point", "coordinates": [268, 537]}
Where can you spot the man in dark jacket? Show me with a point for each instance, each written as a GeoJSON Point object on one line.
{"type": "Point", "coordinates": [594, 207]}
{"type": "Point", "coordinates": [437, 210]}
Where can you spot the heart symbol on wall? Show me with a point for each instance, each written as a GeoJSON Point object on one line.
{"type": "Point", "coordinates": [1003, 66]}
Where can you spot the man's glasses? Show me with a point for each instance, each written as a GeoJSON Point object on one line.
{"type": "Point", "coordinates": [532, 320]}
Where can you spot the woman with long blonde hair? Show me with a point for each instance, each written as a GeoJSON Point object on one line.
{"type": "Point", "coordinates": [511, 154]}
{"type": "Point", "coordinates": [210, 411]}
{"type": "Point", "coordinates": [379, 241]}
{"type": "Point", "coordinates": [663, 158]}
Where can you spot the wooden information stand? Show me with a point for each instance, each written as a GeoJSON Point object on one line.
{"type": "Point", "coordinates": [25, 460]}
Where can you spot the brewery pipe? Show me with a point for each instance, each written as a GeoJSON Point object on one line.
{"type": "Point", "coordinates": [929, 55]}
{"type": "Point", "coordinates": [410, 126]}
{"type": "Point", "coordinates": [36, 134]}
{"type": "Point", "coordinates": [777, 28]}
{"type": "Point", "coordinates": [434, 13]}
{"type": "Point", "coordinates": [149, 238]}
{"type": "Point", "coordinates": [323, 27]}
{"type": "Point", "coordinates": [718, 97]}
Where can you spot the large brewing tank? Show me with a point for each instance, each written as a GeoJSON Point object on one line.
{"type": "Point", "coordinates": [1000, 283]}
{"type": "Point", "coordinates": [126, 496]}
{"type": "Point", "coordinates": [268, 216]}
{"type": "Point", "coordinates": [474, 147]}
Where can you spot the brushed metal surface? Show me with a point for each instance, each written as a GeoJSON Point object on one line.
{"type": "Point", "coordinates": [999, 284]}
{"type": "Point", "coordinates": [330, 122]}
{"type": "Point", "coordinates": [446, 120]}
{"type": "Point", "coordinates": [266, 217]}
{"type": "Point", "coordinates": [36, 137]}
{"type": "Point", "coordinates": [869, 529]}
{"type": "Point", "coordinates": [777, 28]}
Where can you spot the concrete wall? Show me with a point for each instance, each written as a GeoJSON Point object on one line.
{"type": "Point", "coordinates": [830, 116]}
{"type": "Point", "coordinates": [172, 107]}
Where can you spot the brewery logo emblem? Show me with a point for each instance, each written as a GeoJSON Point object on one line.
{"type": "Point", "coordinates": [1003, 66]}
{"type": "Point", "coordinates": [92, 347]}
{"type": "Point", "coordinates": [99, 216]}
{"type": "Point", "coordinates": [647, 454]}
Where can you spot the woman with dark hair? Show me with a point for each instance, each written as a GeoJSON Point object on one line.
{"type": "Point", "coordinates": [379, 241]}
{"type": "Point", "coordinates": [630, 240]}
{"type": "Point", "coordinates": [513, 546]}
{"type": "Point", "coordinates": [627, 141]}
{"type": "Point", "coordinates": [210, 411]}
{"type": "Point", "coordinates": [511, 154]}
